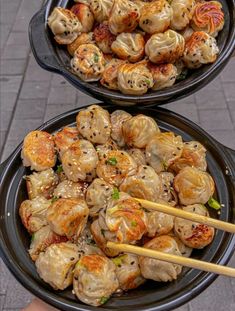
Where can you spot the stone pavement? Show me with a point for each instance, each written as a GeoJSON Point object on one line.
{"type": "Point", "coordinates": [30, 96]}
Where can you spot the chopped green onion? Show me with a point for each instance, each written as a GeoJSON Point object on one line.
{"type": "Point", "coordinates": [164, 163]}
{"type": "Point", "coordinates": [54, 199]}
{"type": "Point", "coordinates": [104, 300]}
{"type": "Point", "coordinates": [148, 82]}
{"type": "Point", "coordinates": [111, 161]}
{"type": "Point", "coordinates": [59, 169]}
{"type": "Point", "coordinates": [115, 194]}
{"type": "Point", "coordinates": [133, 223]}
{"type": "Point", "coordinates": [32, 237]}
{"type": "Point", "coordinates": [96, 58]}
{"type": "Point", "coordinates": [118, 260]}
{"type": "Point", "coordinates": [214, 204]}
{"type": "Point", "coordinates": [182, 75]}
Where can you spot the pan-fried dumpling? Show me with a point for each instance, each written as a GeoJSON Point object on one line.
{"type": "Point", "coordinates": [94, 124]}
{"type": "Point", "coordinates": [126, 218]}
{"type": "Point", "coordinates": [43, 238]}
{"type": "Point", "coordinates": [84, 15]}
{"type": "Point", "coordinates": [138, 130]}
{"type": "Point", "coordinates": [118, 117]}
{"type": "Point", "coordinates": [193, 186]}
{"type": "Point", "coordinates": [33, 213]}
{"type": "Point", "coordinates": [164, 75]}
{"type": "Point", "coordinates": [124, 16]}
{"type": "Point", "coordinates": [94, 279]}
{"type": "Point", "coordinates": [158, 223]}
{"type": "Point", "coordinates": [55, 265]}
{"type": "Point", "coordinates": [129, 46]}
{"type": "Point", "coordinates": [165, 47]}
{"type": "Point", "coordinates": [134, 79]}
{"type": "Point", "coordinates": [101, 9]}
{"type": "Point", "coordinates": [115, 167]}
{"type": "Point", "coordinates": [110, 74]}
{"type": "Point", "coordinates": [193, 234]}
{"type": "Point", "coordinates": [79, 161]}
{"type": "Point", "coordinates": [157, 270]}
{"type": "Point", "coordinates": [208, 17]}
{"type": "Point", "coordinates": [64, 25]}
{"type": "Point", "coordinates": [103, 37]}
{"type": "Point", "coordinates": [88, 62]}
{"type": "Point", "coordinates": [41, 184]}
{"type": "Point", "coordinates": [138, 155]}
{"type": "Point", "coordinates": [102, 150]}
{"type": "Point", "coordinates": [182, 13]}
{"type": "Point", "coordinates": [155, 16]}
{"type": "Point", "coordinates": [163, 149]}
{"type": "Point", "coordinates": [68, 217]}
{"type": "Point", "coordinates": [38, 151]}
{"type": "Point", "coordinates": [128, 271]}
{"type": "Point", "coordinates": [200, 49]}
{"type": "Point", "coordinates": [84, 38]}
{"type": "Point", "coordinates": [193, 154]}
{"type": "Point", "coordinates": [167, 194]}
{"type": "Point", "coordinates": [97, 195]}
{"type": "Point", "coordinates": [64, 138]}
{"type": "Point", "coordinates": [145, 184]}
{"type": "Point", "coordinates": [69, 189]}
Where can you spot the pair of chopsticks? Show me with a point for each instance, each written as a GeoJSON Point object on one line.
{"type": "Point", "coordinates": [187, 262]}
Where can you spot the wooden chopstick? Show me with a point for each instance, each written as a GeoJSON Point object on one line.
{"type": "Point", "coordinates": [183, 261]}
{"type": "Point", "coordinates": [218, 224]}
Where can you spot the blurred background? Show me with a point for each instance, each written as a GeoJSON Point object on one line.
{"type": "Point", "coordinates": [31, 96]}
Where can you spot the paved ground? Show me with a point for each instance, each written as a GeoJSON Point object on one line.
{"type": "Point", "coordinates": [30, 96]}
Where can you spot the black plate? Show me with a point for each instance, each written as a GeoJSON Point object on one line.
{"type": "Point", "coordinates": [54, 57]}
{"type": "Point", "coordinates": [14, 239]}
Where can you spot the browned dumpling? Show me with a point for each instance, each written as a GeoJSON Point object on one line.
{"type": "Point", "coordinates": [55, 265]}
{"type": "Point", "coordinates": [158, 223]}
{"type": "Point", "coordinates": [134, 79]}
{"type": "Point", "coordinates": [84, 15]}
{"type": "Point", "coordinates": [103, 149]}
{"type": "Point", "coordinates": [200, 49]}
{"type": "Point", "coordinates": [124, 16]}
{"type": "Point", "coordinates": [83, 38]}
{"type": "Point", "coordinates": [118, 117]}
{"type": "Point", "coordinates": [165, 47]}
{"type": "Point", "coordinates": [43, 238]}
{"type": "Point", "coordinates": [110, 74]}
{"type": "Point", "coordinates": [33, 213]}
{"type": "Point", "coordinates": [129, 46]}
{"type": "Point", "coordinates": [79, 161]}
{"type": "Point", "coordinates": [193, 154]}
{"type": "Point", "coordinates": [138, 155]}
{"type": "Point", "coordinates": [94, 124]}
{"type": "Point", "coordinates": [65, 138]}
{"type": "Point", "coordinates": [68, 217]}
{"type": "Point", "coordinates": [97, 195]}
{"type": "Point", "coordinates": [193, 186]}
{"type": "Point", "coordinates": [155, 16]}
{"type": "Point", "coordinates": [145, 184]}
{"type": "Point", "coordinates": [115, 167]}
{"type": "Point", "coordinates": [94, 279]}
{"type": "Point", "coordinates": [164, 75]}
{"type": "Point", "coordinates": [138, 130]}
{"type": "Point", "coordinates": [88, 62]}
{"type": "Point", "coordinates": [101, 9]}
{"type": "Point", "coordinates": [69, 189]}
{"type": "Point", "coordinates": [128, 271]}
{"type": "Point", "coordinates": [193, 234]}
{"type": "Point", "coordinates": [41, 184]}
{"type": "Point", "coordinates": [38, 151]}
{"type": "Point", "coordinates": [103, 37]}
{"type": "Point", "coordinates": [157, 270]}
{"type": "Point", "coordinates": [167, 193]}
{"type": "Point", "coordinates": [126, 218]}
{"type": "Point", "coordinates": [182, 13]}
{"type": "Point", "coordinates": [208, 17]}
{"type": "Point", "coordinates": [163, 149]}
{"type": "Point", "coordinates": [64, 25]}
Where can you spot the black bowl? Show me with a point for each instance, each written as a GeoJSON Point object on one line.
{"type": "Point", "coordinates": [152, 296]}
{"type": "Point", "coordinates": [54, 57]}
